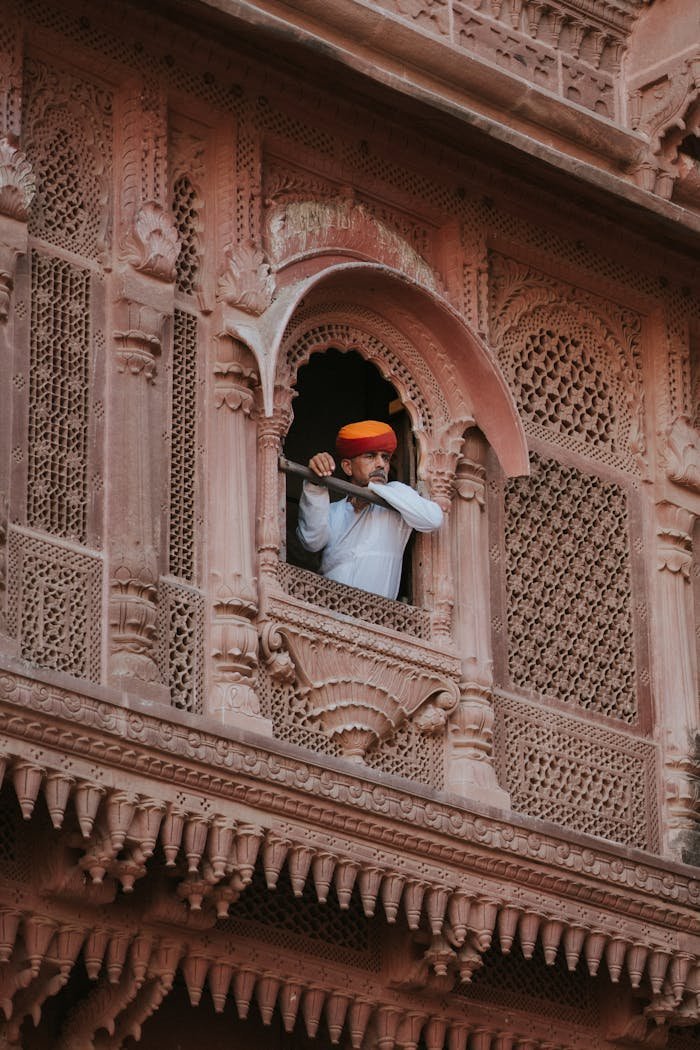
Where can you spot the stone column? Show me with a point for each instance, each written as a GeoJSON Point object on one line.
{"type": "Point", "coordinates": [135, 413]}
{"type": "Point", "coordinates": [234, 639]}
{"type": "Point", "coordinates": [470, 766]}
{"type": "Point", "coordinates": [271, 430]}
{"type": "Point", "coordinates": [143, 302]}
{"type": "Point", "coordinates": [438, 577]}
{"type": "Point", "coordinates": [676, 678]}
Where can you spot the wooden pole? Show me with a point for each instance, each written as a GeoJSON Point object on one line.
{"type": "Point", "coordinates": [335, 484]}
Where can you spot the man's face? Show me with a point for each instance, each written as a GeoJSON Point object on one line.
{"type": "Point", "coordinates": [370, 466]}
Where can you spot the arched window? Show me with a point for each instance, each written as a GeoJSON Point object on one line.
{"type": "Point", "coordinates": [334, 388]}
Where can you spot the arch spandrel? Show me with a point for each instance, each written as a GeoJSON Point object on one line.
{"type": "Point", "coordinates": [474, 388]}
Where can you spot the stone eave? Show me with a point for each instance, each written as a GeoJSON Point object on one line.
{"type": "Point", "coordinates": [460, 91]}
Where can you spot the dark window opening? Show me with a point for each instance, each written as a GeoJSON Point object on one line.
{"type": "Point", "coordinates": [691, 147]}
{"type": "Point", "coordinates": [333, 389]}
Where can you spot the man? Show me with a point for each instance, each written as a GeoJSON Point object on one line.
{"type": "Point", "coordinates": [363, 543]}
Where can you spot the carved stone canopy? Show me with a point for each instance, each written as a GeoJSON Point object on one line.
{"type": "Point", "coordinates": [464, 369]}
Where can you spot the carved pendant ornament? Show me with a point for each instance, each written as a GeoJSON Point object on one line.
{"type": "Point", "coordinates": [360, 687]}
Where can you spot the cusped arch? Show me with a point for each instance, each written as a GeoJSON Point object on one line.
{"type": "Point", "coordinates": [444, 346]}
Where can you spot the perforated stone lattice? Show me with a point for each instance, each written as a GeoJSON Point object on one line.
{"type": "Point", "coordinates": [561, 387]}
{"type": "Point", "coordinates": [59, 393]}
{"type": "Point", "coordinates": [517, 983]}
{"type": "Point", "coordinates": [67, 135]}
{"type": "Point", "coordinates": [276, 916]}
{"type": "Point", "coordinates": [572, 361]}
{"type": "Point", "coordinates": [183, 446]}
{"type": "Point", "coordinates": [54, 605]}
{"type": "Point", "coordinates": [568, 589]}
{"type": "Point", "coordinates": [310, 587]}
{"type": "Point", "coordinates": [408, 754]}
{"type": "Point", "coordinates": [575, 774]}
{"type": "Point", "coordinates": [15, 839]}
{"type": "Point", "coordinates": [186, 212]}
{"type": "Point", "coordinates": [181, 634]}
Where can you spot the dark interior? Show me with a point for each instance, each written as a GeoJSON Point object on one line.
{"type": "Point", "coordinates": [334, 388]}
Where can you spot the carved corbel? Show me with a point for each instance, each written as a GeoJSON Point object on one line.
{"type": "Point", "coordinates": [247, 282]}
{"type": "Point", "coordinates": [276, 658]}
{"type": "Point", "coordinates": [98, 1009]}
{"type": "Point", "coordinates": [358, 697]}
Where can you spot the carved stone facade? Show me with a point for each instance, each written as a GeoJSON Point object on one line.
{"type": "Point", "coordinates": [241, 804]}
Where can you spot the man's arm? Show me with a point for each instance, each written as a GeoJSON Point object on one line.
{"type": "Point", "coordinates": [313, 529]}
{"type": "Point", "coordinates": [423, 515]}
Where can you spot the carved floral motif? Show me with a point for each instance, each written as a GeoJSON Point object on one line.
{"type": "Point", "coordinates": [152, 245]}
{"type": "Point", "coordinates": [17, 182]}
{"type": "Point", "coordinates": [683, 454]}
{"type": "Point", "coordinates": [247, 282]}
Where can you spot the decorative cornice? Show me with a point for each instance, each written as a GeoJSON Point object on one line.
{"type": "Point", "coordinates": [287, 786]}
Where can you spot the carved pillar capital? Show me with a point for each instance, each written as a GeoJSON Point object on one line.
{"type": "Point", "coordinates": [234, 649]}
{"type": "Point", "coordinates": [139, 342]}
{"type": "Point", "coordinates": [674, 532]}
{"type": "Point", "coordinates": [133, 585]}
{"type": "Point", "coordinates": [235, 377]}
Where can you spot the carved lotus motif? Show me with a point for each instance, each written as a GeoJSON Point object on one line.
{"type": "Point", "coordinates": [17, 182]}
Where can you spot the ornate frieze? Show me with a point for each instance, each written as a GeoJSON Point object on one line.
{"type": "Point", "coordinates": [295, 227]}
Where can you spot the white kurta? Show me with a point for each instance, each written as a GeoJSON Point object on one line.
{"type": "Point", "coordinates": [364, 549]}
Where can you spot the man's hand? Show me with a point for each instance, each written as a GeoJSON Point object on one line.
{"type": "Point", "coordinates": [322, 464]}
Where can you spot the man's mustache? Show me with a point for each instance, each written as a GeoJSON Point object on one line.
{"type": "Point", "coordinates": [378, 473]}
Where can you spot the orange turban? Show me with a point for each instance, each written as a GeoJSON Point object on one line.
{"type": "Point", "coordinates": [367, 436]}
